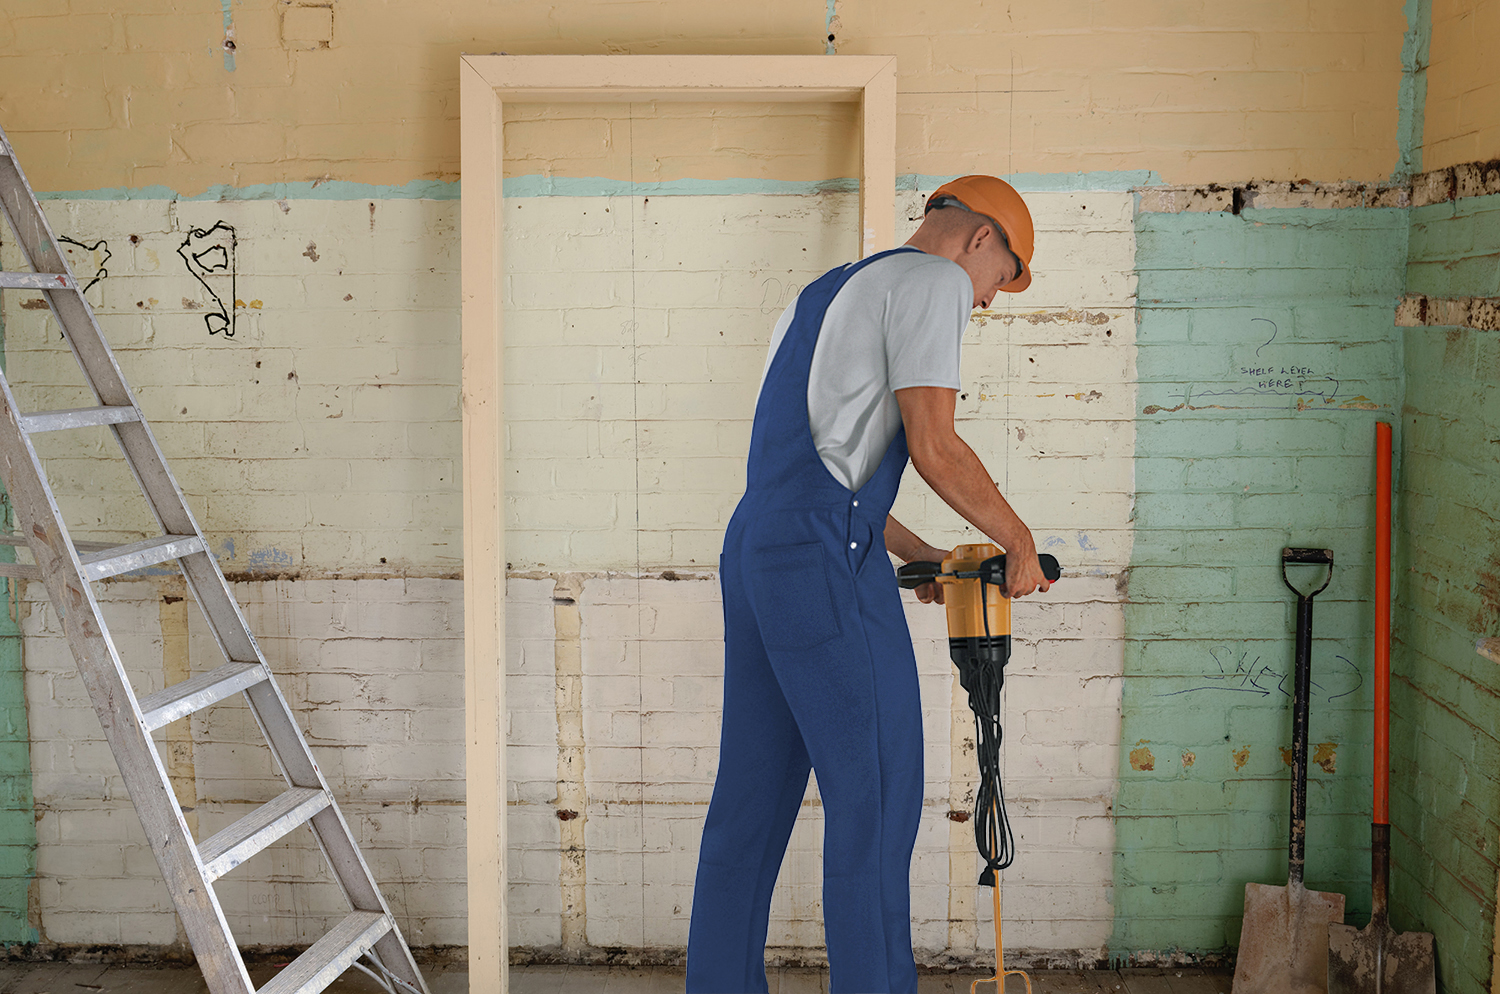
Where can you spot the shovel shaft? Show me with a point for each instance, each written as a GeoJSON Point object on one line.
{"type": "Point", "coordinates": [1380, 873]}
{"type": "Point", "coordinates": [1382, 624]}
{"type": "Point", "coordinates": [1297, 848]}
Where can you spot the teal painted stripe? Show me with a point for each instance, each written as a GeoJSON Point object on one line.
{"type": "Point", "coordinates": [228, 34]}
{"type": "Point", "coordinates": [1115, 181]}
{"type": "Point", "coordinates": [598, 186]}
{"type": "Point", "coordinates": [1412, 96]}
{"type": "Point", "coordinates": [330, 190]}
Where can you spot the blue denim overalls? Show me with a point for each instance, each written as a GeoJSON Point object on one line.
{"type": "Point", "coordinates": [818, 672]}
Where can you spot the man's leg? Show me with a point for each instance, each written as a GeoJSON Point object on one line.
{"type": "Point", "coordinates": [856, 701]}
{"type": "Point", "coordinates": [903, 778]}
{"type": "Point", "coordinates": [761, 780]}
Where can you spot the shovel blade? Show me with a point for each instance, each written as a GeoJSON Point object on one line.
{"type": "Point", "coordinates": [1353, 953]}
{"type": "Point", "coordinates": [1284, 945]}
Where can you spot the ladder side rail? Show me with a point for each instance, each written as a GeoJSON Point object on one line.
{"type": "Point", "coordinates": [330, 828]}
{"type": "Point", "coordinates": [210, 590]}
{"type": "Point", "coordinates": [347, 860]}
{"type": "Point", "coordinates": [38, 244]}
{"type": "Point", "coordinates": [107, 383]}
{"type": "Point", "coordinates": [114, 701]}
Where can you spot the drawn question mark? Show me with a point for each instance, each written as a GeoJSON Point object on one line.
{"type": "Point", "coordinates": [1273, 333]}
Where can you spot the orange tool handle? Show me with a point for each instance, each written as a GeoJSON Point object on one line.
{"type": "Point", "coordinates": [1382, 623]}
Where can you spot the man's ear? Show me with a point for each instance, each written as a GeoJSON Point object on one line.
{"type": "Point", "coordinates": [977, 240]}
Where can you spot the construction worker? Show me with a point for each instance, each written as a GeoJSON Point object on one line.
{"type": "Point", "coordinates": [819, 670]}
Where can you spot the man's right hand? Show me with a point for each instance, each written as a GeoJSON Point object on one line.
{"type": "Point", "coordinates": [1023, 574]}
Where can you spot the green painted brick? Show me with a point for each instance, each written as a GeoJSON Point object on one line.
{"type": "Point", "coordinates": [1329, 280]}
{"type": "Point", "coordinates": [1177, 866]}
{"type": "Point", "coordinates": [17, 861]}
{"type": "Point", "coordinates": [1192, 935]}
{"type": "Point", "coordinates": [1184, 511]}
{"type": "Point", "coordinates": [1189, 437]}
{"type": "Point", "coordinates": [1179, 583]}
{"type": "Point", "coordinates": [1145, 832]}
{"type": "Point", "coordinates": [1315, 510]}
{"type": "Point", "coordinates": [1193, 900]}
{"type": "Point", "coordinates": [1226, 473]}
{"type": "Point", "coordinates": [14, 924]}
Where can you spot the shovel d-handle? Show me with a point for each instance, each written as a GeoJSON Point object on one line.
{"type": "Point", "coordinates": [1302, 693]}
{"type": "Point", "coordinates": [992, 571]}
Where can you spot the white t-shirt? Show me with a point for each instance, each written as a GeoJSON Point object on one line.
{"type": "Point", "coordinates": [896, 323]}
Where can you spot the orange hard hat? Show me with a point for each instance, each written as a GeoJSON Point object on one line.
{"type": "Point", "coordinates": [999, 201]}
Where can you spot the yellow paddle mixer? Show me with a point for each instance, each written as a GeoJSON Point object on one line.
{"type": "Point", "coordinates": [979, 644]}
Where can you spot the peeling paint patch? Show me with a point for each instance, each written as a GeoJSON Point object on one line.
{"type": "Point", "coordinates": [1043, 317]}
{"type": "Point", "coordinates": [1418, 310]}
{"type": "Point", "coordinates": [1241, 757]}
{"type": "Point", "coordinates": [1326, 755]}
{"type": "Point", "coordinates": [268, 561]}
{"type": "Point", "coordinates": [1188, 759]}
{"type": "Point", "coordinates": [1141, 757]}
{"type": "Point", "coordinates": [1265, 195]}
{"type": "Point", "coordinates": [1286, 755]}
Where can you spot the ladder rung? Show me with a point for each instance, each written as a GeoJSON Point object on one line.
{"type": "Point", "coordinates": [20, 571]}
{"type": "Point", "coordinates": [139, 555]}
{"type": "Point", "coordinates": [78, 417]}
{"type": "Point", "coordinates": [20, 543]}
{"type": "Point", "coordinates": [331, 955]}
{"type": "Point", "coordinates": [37, 281]}
{"type": "Point", "coordinates": [225, 850]}
{"type": "Point", "coordinates": [196, 693]}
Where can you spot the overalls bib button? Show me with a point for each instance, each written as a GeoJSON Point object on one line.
{"type": "Point", "coordinates": [856, 503]}
{"type": "Point", "coordinates": [853, 545]}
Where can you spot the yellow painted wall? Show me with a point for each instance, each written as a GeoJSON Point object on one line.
{"type": "Point", "coordinates": [366, 90]}
{"type": "Point", "coordinates": [1463, 87]}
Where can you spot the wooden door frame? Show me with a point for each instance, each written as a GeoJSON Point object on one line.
{"type": "Point", "coordinates": [486, 83]}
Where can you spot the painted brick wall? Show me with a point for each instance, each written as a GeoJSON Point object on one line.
{"type": "Point", "coordinates": [632, 381]}
{"type": "Point", "coordinates": [374, 669]}
{"type": "Point", "coordinates": [1455, 248]}
{"type": "Point", "coordinates": [1266, 350]}
{"type": "Point", "coordinates": [631, 385]}
{"type": "Point", "coordinates": [1195, 93]}
{"type": "Point", "coordinates": [1445, 697]}
{"type": "Point", "coordinates": [1462, 113]}
{"type": "Point", "coordinates": [1445, 738]}
{"type": "Point", "coordinates": [629, 395]}
{"type": "Point", "coordinates": [323, 435]}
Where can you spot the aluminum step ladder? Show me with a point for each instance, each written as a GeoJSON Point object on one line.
{"type": "Point", "coordinates": [69, 569]}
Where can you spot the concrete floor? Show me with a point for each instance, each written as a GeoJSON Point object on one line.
{"type": "Point", "coordinates": [71, 978]}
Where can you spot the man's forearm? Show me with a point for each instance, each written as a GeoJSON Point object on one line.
{"type": "Point", "coordinates": [956, 475]}
{"type": "Point", "coordinates": [904, 544]}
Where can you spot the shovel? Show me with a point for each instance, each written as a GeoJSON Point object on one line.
{"type": "Point", "coordinates": [1376, 959]}
{"type": "Point", "coordinates": [1284, 945]}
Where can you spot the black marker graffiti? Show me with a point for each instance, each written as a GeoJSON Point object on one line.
{"type": "Point", "coordinates": [1324, 388]}
{"type": "Point", "coordinates": [98, 264]}
{"type": "Point", "coordinates": [1273, 332]}
{"type": "Point", "coordinates": [1240, 674]}
{"type": "Point", "coordinates": [209, 254]}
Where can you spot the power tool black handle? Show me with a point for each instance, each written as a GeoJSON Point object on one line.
{"type": "Point", "coordinates": [914, 574]}
{"type": "Point", "coordinates": [993, 569]}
